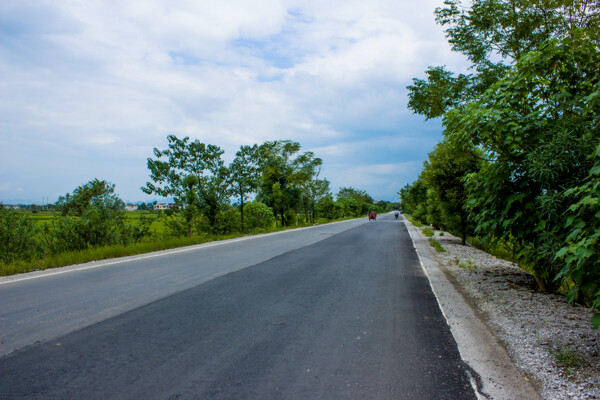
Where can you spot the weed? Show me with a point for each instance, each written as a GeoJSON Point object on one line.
{"type": "Point", "coordinates": [468, 265]}
{"type": "Point", "coordinates": [442, 233]}
{"type": "Point", "coordinates": [438, 247]}
{"type": "Point", "coordinates": [568, 358]}
{"type": "Point", "coordinates": [427, 232]}
{"type": "Point", "coordinates": [414, 221]}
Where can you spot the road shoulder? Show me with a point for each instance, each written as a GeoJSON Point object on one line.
{"type": "Point", "coordinates": [496, 376]}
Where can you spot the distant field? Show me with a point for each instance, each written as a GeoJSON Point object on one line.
{"type": "Point", "coordinates": [158, 226]}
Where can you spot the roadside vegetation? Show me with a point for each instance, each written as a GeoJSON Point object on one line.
{"type": "Point", "coordinates": [518, 170]}
{"type": "Point", "coordinates": [211, 202]}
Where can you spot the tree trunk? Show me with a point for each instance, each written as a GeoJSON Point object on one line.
{"type": "Point", "coordinates": [242, 212]}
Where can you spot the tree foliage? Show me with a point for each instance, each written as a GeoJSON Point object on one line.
{"type": "Point", "coordinates": [493, 35]}
{"type": "Point", "coordinates": [95, 193]}
{"type": "Point", "coordinates": [444, 174]}
{"type": "Point", "coordinates": [284, 171]}
{"type": "Point", "coordinates": [186, 158]}
{"type": "Point", "coordinates": [531, 108]}
{"type": "Point", "coordinates": [245, 175]}
{"type": "Point", "coordinates": [17, 236]}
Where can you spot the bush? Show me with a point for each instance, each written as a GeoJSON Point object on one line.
{"type": "Point", "coordinates": [258, 215]}
{"type": "Point", "coordinates": [17, 236]}
{"type": "Point", "coordinates": [228, 222]}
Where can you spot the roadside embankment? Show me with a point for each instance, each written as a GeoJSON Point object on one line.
{"type": "Point", "coordinates": [513, 336]}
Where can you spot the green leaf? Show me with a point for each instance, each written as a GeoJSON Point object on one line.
{"type": "Point", "coordinates": [596, 320]}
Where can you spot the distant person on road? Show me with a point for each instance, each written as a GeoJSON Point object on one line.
{"type": "Point", "coordinates": [396, 214]}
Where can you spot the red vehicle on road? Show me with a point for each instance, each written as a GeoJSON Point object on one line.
{"type": "Point", "coordinates": [373, 215]}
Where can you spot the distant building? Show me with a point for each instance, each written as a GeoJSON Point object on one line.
{"type": "Point", "coordinates": [160, 207]}
{"type": "Point", "coordinates": [131, 207]}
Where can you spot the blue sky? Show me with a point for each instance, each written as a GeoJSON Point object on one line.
{"type": "Point", "coordinates": [89, 88]}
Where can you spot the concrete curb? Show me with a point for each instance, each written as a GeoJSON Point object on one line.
{"type": "Point", "coordinates": [495, 376]}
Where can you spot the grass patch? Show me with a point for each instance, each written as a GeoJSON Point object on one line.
{"type": "Point", "coordinates": [469, 265]}
{"type": "Point", "coordinates": [436, 245]}
{"type": "Point", "coordinates": [568, 358]}
{"type": "Point", "coordinates": [498, 248]}
{"type": "Point", "coordinates": [413, 221]}
{"type": "Point", "coordinates": [427, 232]}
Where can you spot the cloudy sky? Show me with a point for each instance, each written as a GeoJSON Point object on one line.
{"type": "Point", "coordinates": [90, 87]}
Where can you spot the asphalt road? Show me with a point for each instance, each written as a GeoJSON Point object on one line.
{"type": "Point", "coordinates": [338, 312]}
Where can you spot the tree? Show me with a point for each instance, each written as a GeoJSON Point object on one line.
{"type": "Point", "coordinates": [313, 191]}
{"type": "Point", "coordinates": [494, 34]}
{"type": "Point", "coordinates": [92, 216]}
{"type": "Point", "coordinates": [413, 199]}
{"type": "Point", "coordinates": [361, 200]}
{"type": "Point", "coordinates": [245, 175]}
{"type": "Point", "coordinates": [186, 158]}
{"type": "Point", "coordinates": [536, 128]}
{"type": "Point", "coordinates": [284, 170]}
{"type": "Point", "coordinates": [95, 193]}
{"type": "Point", "coordinates": [445, 173]}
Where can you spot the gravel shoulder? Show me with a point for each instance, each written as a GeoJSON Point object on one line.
{"type": "Point", "coordinates": [536, 329]}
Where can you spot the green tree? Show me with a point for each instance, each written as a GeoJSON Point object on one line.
{"type": "Point", "coordinates": [536, 128]}
{"type": "Point", "coordinates": [245, 175]}
{"type": "Point", "coordinates": [362, 202]}
{"type": "Point", "coordinates": [413, 199]}
{"type": "Point", "coordinates": [326, 207]}
{"type": "Point", "coordinates": [186, 158]}
{"type": "Point", "coordinates": [491, 28]}
{"type": "Point", "coordinates": [312, 192]}
{"type": "Point", "coordinates": [92, 216]}
{"type": "Point", "coordinates": [95, 193]}
{"type": "Point", "coordinates": [284, 170]}
{"type": "Point", "coordinates": [444, 173]}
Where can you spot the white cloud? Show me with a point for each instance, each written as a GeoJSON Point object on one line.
{"type": "Point", "coordinates": [98, 84]}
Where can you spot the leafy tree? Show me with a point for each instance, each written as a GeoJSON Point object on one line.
{"type": "Point", "coordinates": [95, 193]}
{"type": "Point", "coordinates": [228, 221]}
{"type": "Point", "coordinates": [536, 128]}
{"type": "Point", "coordinates": [362, 202]}
{"type": "Point", "coordinates": [444, 173]}
{"type": "Point", "coordinates": [245, 175]}
{"type": "Point", "coordinates": [491, 28]}
{"type": "Point", "coordinates": [325, 207]}
{"type": "Point", "coordinates": [581, 250]}
{"type": "Point", "coordinates": [186, 158]}
{"type": "Point", "coordinates": [312, 192]}
{"type": "Point", "coordinates": [413, 199]}
{"type": "Point", "coordinates": [284, 171]}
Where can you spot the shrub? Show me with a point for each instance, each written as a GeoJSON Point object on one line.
{"type": "Point", "coordinates": [17, 236]}
{"type": "Point", "coordinates": [258, 215]}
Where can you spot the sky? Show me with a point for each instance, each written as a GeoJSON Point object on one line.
{"type": "Point", "coordinates": [89, 88]}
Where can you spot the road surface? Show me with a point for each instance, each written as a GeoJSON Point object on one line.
{"type": "Point", "coordinates": [337, 311]}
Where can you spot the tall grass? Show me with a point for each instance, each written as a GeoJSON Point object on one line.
{"type": "Point", "coordinates": [107, 252]}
